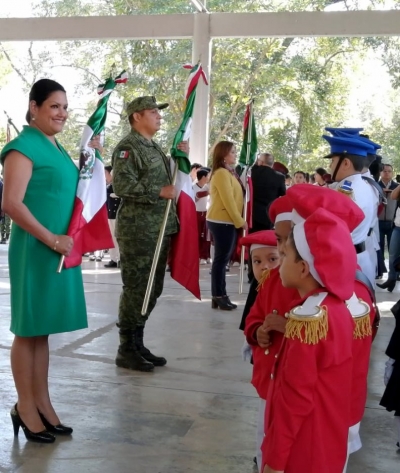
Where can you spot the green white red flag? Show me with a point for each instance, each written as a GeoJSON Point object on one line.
{"type": "Point", "coordinates": [248, 152]}
{"type": "Point", "coordinates": [89, 222]}
{"type": "Point", "coordinates": [184, 259]}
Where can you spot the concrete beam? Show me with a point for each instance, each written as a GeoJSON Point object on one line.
{"type": "Point", "coordinates": [234, 25]}
{"type": "Point", "coordinates": [97, 28]}
{"type": "Point", "coordinates": [302, 24]}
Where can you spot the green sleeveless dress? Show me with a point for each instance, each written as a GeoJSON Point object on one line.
{"type": "Point", "coordinates": [42, 301]}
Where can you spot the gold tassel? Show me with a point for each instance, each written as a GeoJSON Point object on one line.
{"type": "Point", "coordinates": [362, 327]}
{"type": "Point", "coordinates": [348, 193]}
{"type": "Point", "coordinates": [308, 329]}
{"type": "Point", "coordinates": [264, 276]}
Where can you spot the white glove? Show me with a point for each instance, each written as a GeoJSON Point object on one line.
{"type": "Point", "coordinates": [388, 370]}
{"type": "Point", "coordinates": [247, 352]}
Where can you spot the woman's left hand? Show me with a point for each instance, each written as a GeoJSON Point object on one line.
{"type": "Point", "coordinates": [95, 144]}
{"type": "Point", "coordinates": [184, 146]}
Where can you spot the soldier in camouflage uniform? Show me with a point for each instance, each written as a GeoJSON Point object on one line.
{"type": "Point", "coordinates": [142, 178]}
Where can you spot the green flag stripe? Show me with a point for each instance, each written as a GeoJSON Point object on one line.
{"type": "Point", "coordinates": [179, 156]}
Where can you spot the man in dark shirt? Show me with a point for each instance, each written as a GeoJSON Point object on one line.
{"type": "Point", "coordinates": [268, 185]}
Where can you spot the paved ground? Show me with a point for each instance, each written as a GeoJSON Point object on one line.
{"type": "Point", "coordinates": [196, 415]}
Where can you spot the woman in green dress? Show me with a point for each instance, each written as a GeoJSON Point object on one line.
{"type": "Point", "coordinates": [40, 182]}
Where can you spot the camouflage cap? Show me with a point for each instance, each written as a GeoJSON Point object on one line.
{"type": "Point", "coordinates": [144, 103]}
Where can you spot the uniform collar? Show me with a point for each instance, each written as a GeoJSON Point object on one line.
{"type": "Point", "coordinates": [352, 178]}
{"type": "Point", "coordinates": [142, 139]}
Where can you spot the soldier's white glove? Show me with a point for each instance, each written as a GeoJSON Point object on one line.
{"type": "Point", "coordinates": [246, 351]}
{"type": "Point", "coordinates": [388, 370]}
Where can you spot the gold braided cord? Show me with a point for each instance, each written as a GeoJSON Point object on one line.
{"type": "Point", "coordinates": [264, 276]}
{"type": "Point", "coordinates": [308, 329]}
{"type": "Point", "coordinates": [362, 327]}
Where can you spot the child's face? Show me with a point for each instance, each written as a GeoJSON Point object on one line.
{"type": "Point", "coordinates": [264, 258]}
{"type": "Point", "coordinates": [292, 270]}
{"type": "Point", "coordinates": [282, 231]}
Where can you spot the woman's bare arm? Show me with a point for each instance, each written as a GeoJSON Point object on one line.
{"type": "Point", "coordinates": [17, 174]}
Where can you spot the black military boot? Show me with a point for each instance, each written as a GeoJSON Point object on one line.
{"type": "Point", "coordinates": [128, 355]}
{"type": "Point", "coordinates": [145, 352]}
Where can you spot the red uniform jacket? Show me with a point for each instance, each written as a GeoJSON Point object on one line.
{"type": "Point", "coordinates": [272, 296]}
{"type": "Point", "coordinates": [361, 355]}
{"type": "Point", "coordinates": [308, 404]}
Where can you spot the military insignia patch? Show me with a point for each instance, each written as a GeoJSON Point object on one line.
{"type": "Point", "coordinates": [346, 188]}
{"type": "Point", "coordinates": [124, 154]}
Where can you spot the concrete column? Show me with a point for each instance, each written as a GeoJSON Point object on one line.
{"type": "Point", "coordinates": [201, 51]}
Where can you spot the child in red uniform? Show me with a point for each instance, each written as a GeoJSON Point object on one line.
{"type": "Point", "coordinates": [272, 302]}
{"type": "Point", "coordinates": [305, 201]}
{"type": "Point", "coordinates": [264, 257]}
{"type": "Point", "coordinates": [308, 405]}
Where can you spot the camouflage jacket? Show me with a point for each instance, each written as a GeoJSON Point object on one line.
{"type": "Point", "coordinates": [140, 169]}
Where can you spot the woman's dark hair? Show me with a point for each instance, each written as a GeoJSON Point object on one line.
{"type": "Point", "coordinates": [321, 171]}
{"type": "Point", "coordinates": [41, 91]}
{"type": "Point", "coordinates": [108, 168]}
{"type": "Point", "coordinates": [221, 150]}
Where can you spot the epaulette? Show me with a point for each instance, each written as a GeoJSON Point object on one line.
{"type": "Point", "coordinates": [346, 188]}
{"type": "Point", "coordinates": [308, 323]}
{"type": "Point", "coordinates": [360, 312]}
{"type": "Point", "coordinates": [265, 275]}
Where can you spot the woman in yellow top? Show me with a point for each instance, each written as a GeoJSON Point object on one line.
{"type": "Point", "coordinates": [223, 218]}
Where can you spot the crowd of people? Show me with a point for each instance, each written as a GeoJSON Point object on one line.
{"type": "Point", "coordinates": [314, 252]}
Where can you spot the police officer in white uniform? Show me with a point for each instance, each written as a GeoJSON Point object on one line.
{"type": "Point", "coordinates": [348, 158]}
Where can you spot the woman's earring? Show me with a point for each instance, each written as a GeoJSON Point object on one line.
{"type": "Point", "coordinates": [33, 119]}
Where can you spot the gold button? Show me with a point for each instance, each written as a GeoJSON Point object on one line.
{"type": "Point", "coordinates": [272, 376]}
{"type": "Point", "coordinates": [276, 356]}
{"type": "Point", "coordinates": [267, 351]}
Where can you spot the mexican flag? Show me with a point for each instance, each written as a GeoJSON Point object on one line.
{"type": "Point", "coordinates": [248, 152]}
{"type": "Point", "coordinates": [184, 259]}
{"type": "Point", "coordinates": [89, 222]}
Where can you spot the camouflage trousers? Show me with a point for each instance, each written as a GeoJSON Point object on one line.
{"type": "Point", "coordinates": [5, 227]}
{"type": "Point", "coordinates": [136, 258]}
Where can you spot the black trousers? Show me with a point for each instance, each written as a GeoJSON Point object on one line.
{"type": "Point", "coordinates": [224, 237]}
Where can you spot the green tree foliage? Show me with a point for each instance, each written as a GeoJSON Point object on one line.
{"type": "Point", "coordinates": [300, 85]}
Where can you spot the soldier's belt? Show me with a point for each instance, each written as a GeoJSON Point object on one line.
{"type": "Point", "coordinates": [360, 247]}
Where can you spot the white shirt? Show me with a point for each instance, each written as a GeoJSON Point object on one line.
{"type": "Point", "coordinates": [202, 203]}
{"type": "Point", "coordinates": [365, 196]}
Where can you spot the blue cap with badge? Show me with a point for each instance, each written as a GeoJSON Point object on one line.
{"type": "Point", "coordinates": [349, 131]}
{"type": "Point", "coordinates": [347, 145]}
{"type": "Point", "coordinates": [374, 146]}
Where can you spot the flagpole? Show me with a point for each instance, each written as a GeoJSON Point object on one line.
{"type": "Point", "coordinates": [157, 251]}
{"type": "Point", "coordinates": [249, 138]}
{"type": "Point", "coordinates": [10, 122]}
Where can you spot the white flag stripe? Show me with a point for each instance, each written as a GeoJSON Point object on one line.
{"type": "Point", "coordinates": [183, 183]}
{"type": "Point", "coordinates": [94, 193]}
{"type": "Point", "coordinates": [86, 136]}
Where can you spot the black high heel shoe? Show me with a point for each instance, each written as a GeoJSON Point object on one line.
{"type": "Point", "coordinates": [234, 306]}
{"type": "Point", "coordinates": [58, 429]}
{"type": "Point", "coordinates": [390, 284]}
{"type": "Point", "coordinates": [40, 437]}
{"type": "Point", "coordinates": [220, 303]}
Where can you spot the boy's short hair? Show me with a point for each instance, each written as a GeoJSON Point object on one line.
{"type": "Point", "coordinates": [195, 166]}
{"type": "Point", "coordinates": [358, 162]}
{"type": "Point", "coordinates": [202, 172]}
{"type": "Point", "coordinates": [108, 168]}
